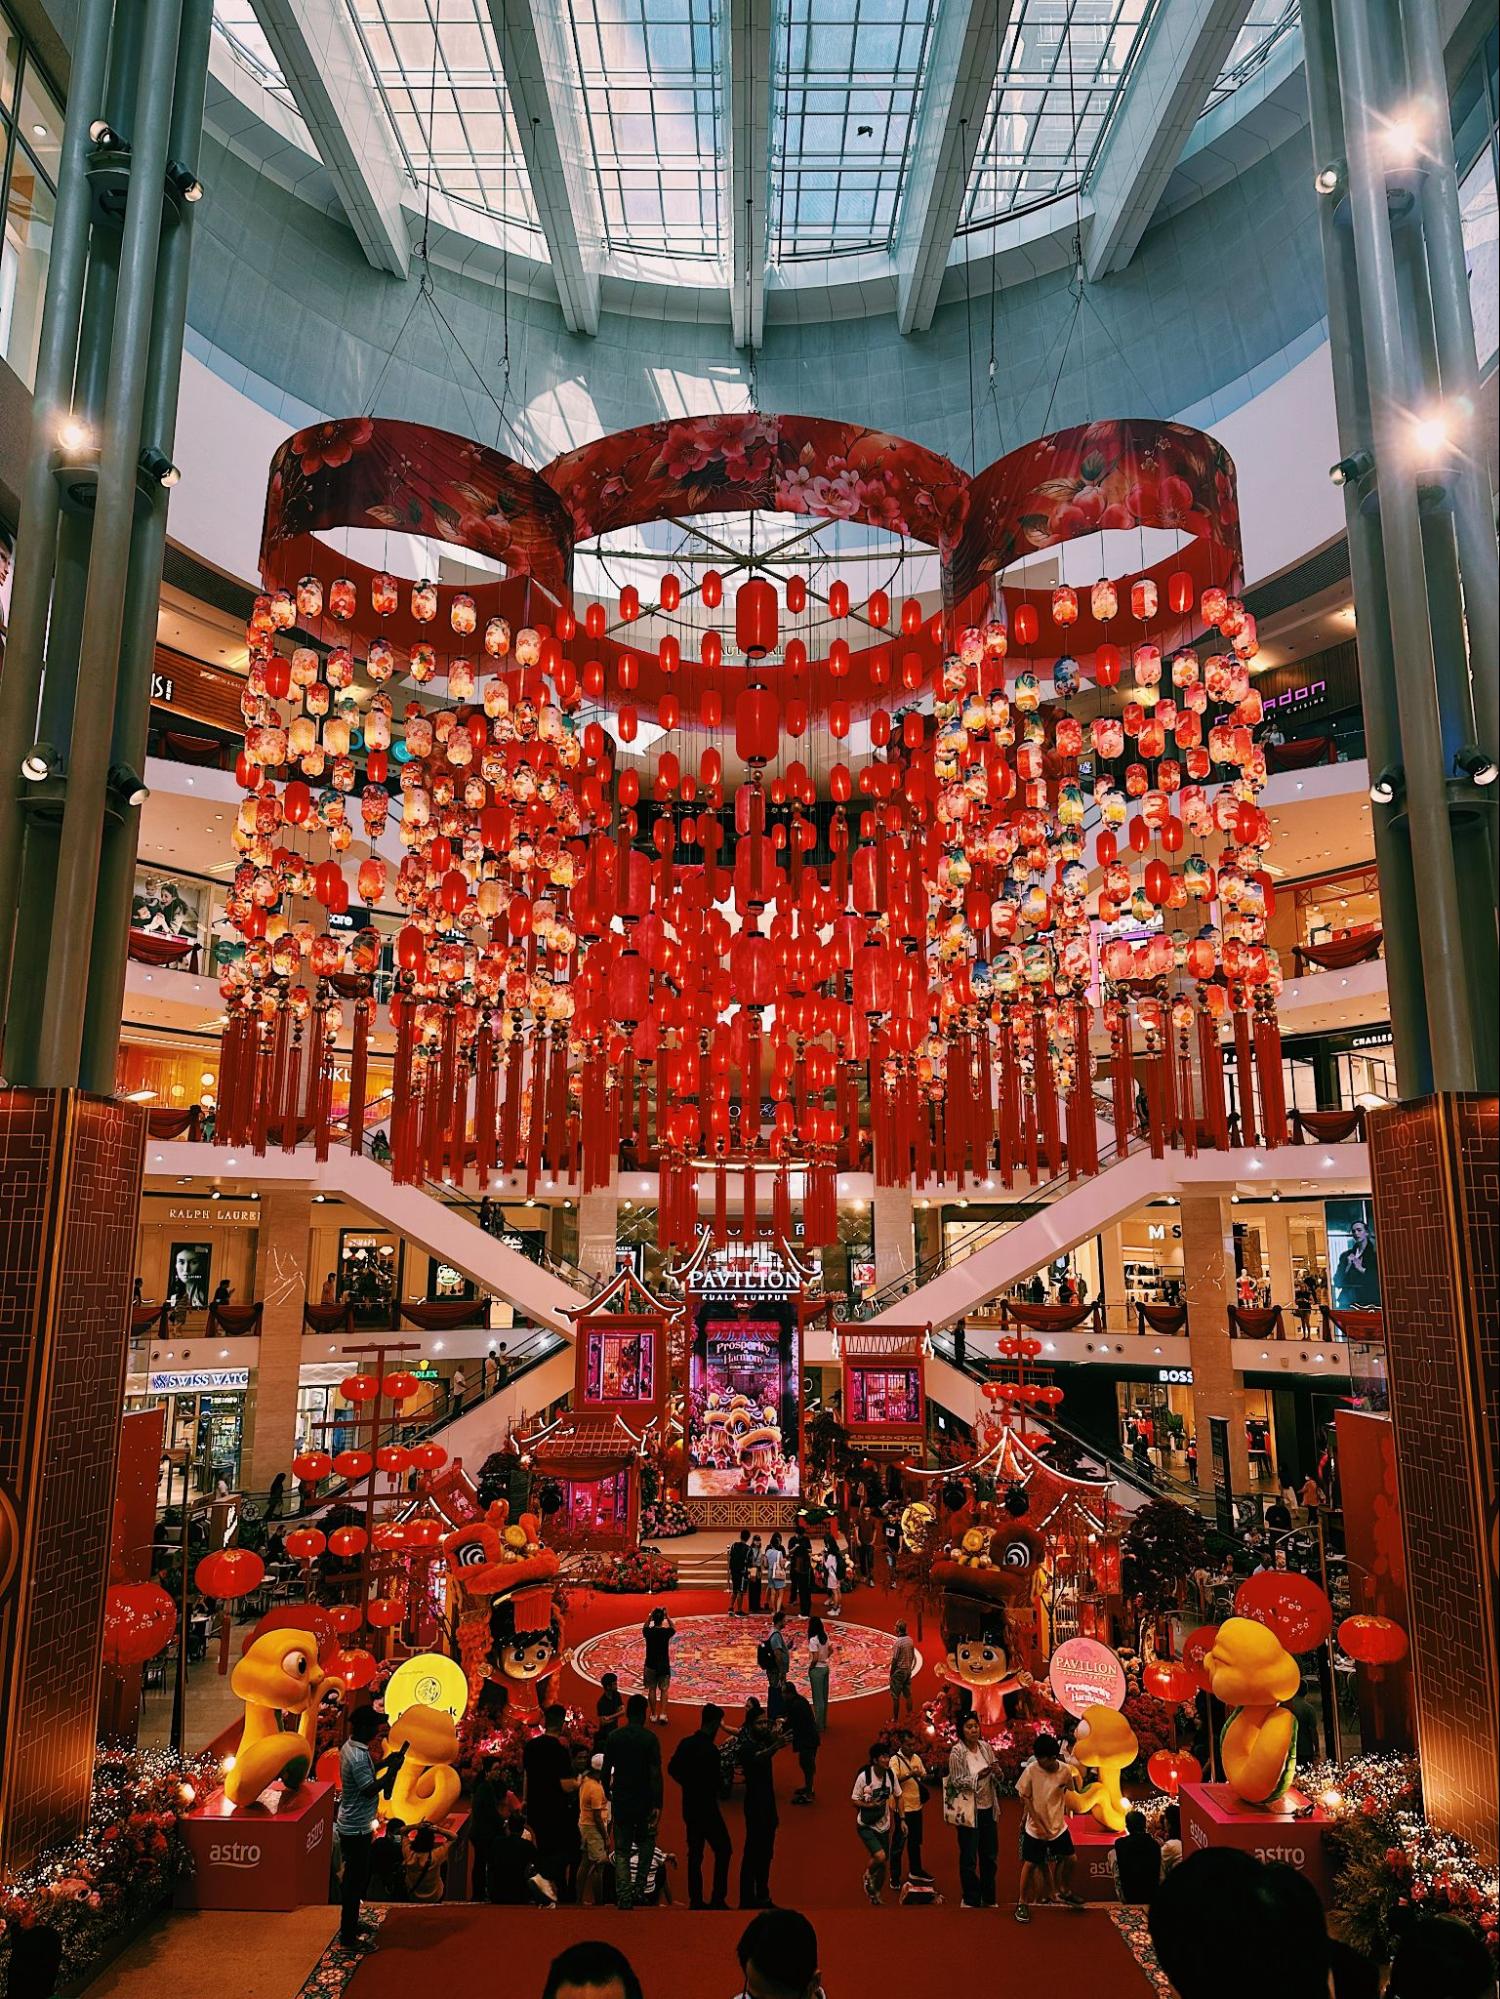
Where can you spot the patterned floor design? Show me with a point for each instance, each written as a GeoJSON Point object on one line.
{"type": "Point", "coordinates": [713, 1659]}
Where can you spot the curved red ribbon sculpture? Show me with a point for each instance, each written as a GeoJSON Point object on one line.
{"type": "Point", "coordinates": [904, 945]}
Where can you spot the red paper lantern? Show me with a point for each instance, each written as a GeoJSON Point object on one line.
{"type": "Point", "coordinates": [1373, 1640]}
{"type": "Point", "coordinates": [139, 1618]}
{"type": "Point", "coordinates": [1195, 1648]}
{"type": "Point", "coordinates": [1026, 624]}
{"type": "Point", "coordinates": [1169, 1680]}
{"type": "Point", "coordinates": [365, 1387]}
{"type": "Point", "coordinates": [423, 1533]}
{"type": "Point", "coordinates": [305, 1544]}
{"type": "Point", "coordinates": [356, 1669]}
{"type": "Point", "coordinates": [1180, 591]}
{"type": "Point", "coordinates": [229, 1573]}
{"type": "Point", "coordinates": [429, 1457]}
{"type": "Point", "coordinates": [1289, 1605]}
{"type": "Point", "coordinates": [796, 594]}
{"type": "Point", "coordinates": [1170, 1769]}
{"type": "Point", "coordinates": [345, 1617]}
{"type": "Point", "coordinates": [878, 610]}
{"type": "Point", "coordinates": [311, 1466]}
{"type": "Point", "coordinates": [755, 608]}
{"type": "Point", "coordinates": [838, 599]}
{"type": "Point", "coordinates": [348, 1542]}
{"type": "Point", "coordinates": [400, 1386]}
{"type": "Point", "coordinates": [385, 1611]}
{"type": "Point", "coordinates": [393, 1458]}
{"type": "Point", "coordinates": [353, 1464]}
{"type": "Point", "coordinates": [630, 603]}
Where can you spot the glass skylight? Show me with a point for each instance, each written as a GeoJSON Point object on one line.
{"type": "Point", "coordinates": [1063, 65]}
{"type": "Point", "coordinates": [653, 86]}
{"type": "Point", "coordinates": [848, 74]}
{"type": "Point", "coordinates": [1265, 25]}
{"type": "Point", "coordinates": [437, 68]}
{"type": "Point", "coordinates": [236, 22]}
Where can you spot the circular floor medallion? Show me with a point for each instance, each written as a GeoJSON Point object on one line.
{"type": "Point", "coordinates": [714, 1659]}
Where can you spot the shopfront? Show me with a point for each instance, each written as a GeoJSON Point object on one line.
{"type": "Point", "coordinates": [203, 1431]}
{"type": "Point", "coordinates": [188, 1250]}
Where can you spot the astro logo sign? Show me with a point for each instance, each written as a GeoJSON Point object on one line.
{"type": "Point", "coordinates": [314, 1837]}
{"type": "Point", "coordinates": [1292, 1856]}
{"type": "Point", "coordinates": [234, 1853]}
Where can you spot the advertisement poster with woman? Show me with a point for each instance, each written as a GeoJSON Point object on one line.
{"type": "Point", "coordinates": [743, 1426]}
{"type": "Point", "coordinates": [1353, 1255]}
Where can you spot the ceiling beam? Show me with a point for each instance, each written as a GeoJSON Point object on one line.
{"type": "Point", "coordinates": [318, 52]}
{"type": "Point", "coordinates": [747, 119]}
{"type": "Point", "coordinates": [1186, 47]}
{"type": "Point", "coordinates": [541, 74]}
{"type": "Point", "coordinates": [967, 38]}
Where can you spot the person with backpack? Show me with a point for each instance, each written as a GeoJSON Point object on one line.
{"type": "Point", "coordinates": [774, 1657]}
{"type": "Point", "coordinates": [871, 1798]}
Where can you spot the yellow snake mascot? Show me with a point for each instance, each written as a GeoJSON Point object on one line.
{"type": "Point", "coordinates": [277, 1676]}
{"type": "Point", "coordinates": [1252, 1673]}
{"type": "Point", "coordinates": [416, 1776]}
{"type": "Point", "coordinates": [1105, 1742]}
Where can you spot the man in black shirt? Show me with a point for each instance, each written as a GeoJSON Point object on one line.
{"type": "Point", "coordinates": [739, 1564]}
{"type": "Point", "coordinates": [632, 1776]}
{"type": "Point", "coordinates": [551, 1803]}
{"type": "Point", "coordinates": [608, 1708]}
{"type": "Point", "coordinates": [802, 1727]}
{"type": "Point", "coordinates": [800, 1570]}
{"type": "Point", "coordinates": [697, 1768]}
{"type": "Point", "coordinates": [758, 1743]}
{"type": "Point", "coordinates": [484, 1823]}
{"type": "Point", "coordinates": [658, 1632]}
{"type": "Point", "coordinates": [1137, 1860]}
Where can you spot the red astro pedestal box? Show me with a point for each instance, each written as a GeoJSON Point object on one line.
{"type": "Point", "coordinates": [1093, 1846]}
{"type": "Point", "coordinates": [274, 1854]}
{"type": "Point", "coordinates": [1293, 1832]}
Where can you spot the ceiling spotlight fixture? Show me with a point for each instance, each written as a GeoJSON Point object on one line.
{"type": "Point", "coordinates": [1329, 179]}
{"type": "Point", "coordinates": [1475, 764]}
{"type": "Point", "coordinates": [158, 466]}
{"type": "Point", "coordinates": [40, 762]}
{"type": "Point", "coordinates": [104, 134]}
{"type": "Point", "coordinates": [185, 181]}
{"type": "Point", "coordinates": [128, 785]}
{"type": "Point", "coordinates": [1429, 435]}
{"type": "Point", "coordinates": [1389, 782]}
{"type": "Point", "coordinates": [1356, 466]}
{"type": "Point", "coordinates": [74, 435]}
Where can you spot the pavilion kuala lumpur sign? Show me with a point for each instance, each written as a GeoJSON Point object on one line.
{"type": "Point", "coordinates": [759, 1271]}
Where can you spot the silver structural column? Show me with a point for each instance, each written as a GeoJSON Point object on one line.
{"type": "Point", "coordinates": [1450, 1022]}
{"type": "Point", "coordinates": [122, 824]}
{"type": "Point", "coordinates": [1377, 664]}
{"type": "Point", "coordinates": [1453, 326]}
{"type": "Point", "coordinates": [104, 606]}
{"type": "Point", "coordinates": [20, 684]}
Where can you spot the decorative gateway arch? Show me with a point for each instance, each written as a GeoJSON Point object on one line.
{"type": "Point", "coordinates": [889, 879]}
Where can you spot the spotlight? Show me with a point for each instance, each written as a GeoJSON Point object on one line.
{"type": "Point", "coordinates": [1355, 466]}
{"type": "Point", "coordinates": [128, 785]}
{"type": "Point", "coordinates": [1475, 765]}
{"type": "Point", "coordinates": [104, 134]}
{"type": "Point", "coordinates": [1329, 179]}
{"type": "Point", "coordinates": [1389, 782]}
{"type": "Point", "coordinates": [1402, 140]}
{"type": "Point", "coordinates": [185, 181]}
{"type": "Point", "coordinates": [40, 762]}
{"type": "Point", "coordinates": [74, 435]}
{"type": "Point", "coordinates": [159, 466]}
{"type": "Point", "coordinates": [1429, 434]}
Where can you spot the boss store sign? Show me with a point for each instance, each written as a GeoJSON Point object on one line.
{"type": "Point", "coordinates": [277, 1856]}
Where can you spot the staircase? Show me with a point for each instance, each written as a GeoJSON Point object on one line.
{"type": "Point", "coordinates": [443, 1221]}
{"type": "Point", "coordinates": [1003, 1253]}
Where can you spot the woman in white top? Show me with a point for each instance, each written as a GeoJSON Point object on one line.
{"type": "Point", "coordinates": [971, 1807]}
{"type": "Point", "coordinates": [819, 1653]}
{"type": "Point", "coordinates": [833, 1581]}
{"type": "Point", "coordinates": [775, 1574]}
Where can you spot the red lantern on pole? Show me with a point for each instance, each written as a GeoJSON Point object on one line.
{"type": "Point", "coordinates": [1169, 1680]}
{"type": "Point", "coordinates": [1289, 1605]}
{"type": "Point", "coordinates": [393, 1458]}
{"type": "Point", "coordinates": [356, 1669]}
{"type": "Point", "coordinates": [229, 1573]}
{"type": "Point", "coordinates": [348, 1542]}
{"type": "Point", "coordinates": [311, 1467]}
{"type": "Point", "coordinates": [383, 1612]}
{"type": "Point", "coordinates": [365, 1387]}
{"type": "Point", "coordinates": [429, 1457]}
{"type": "Point", "coordinates": [305, 1544]}
{"type": "Point", "coordinates": [345, 1617]}
{"type": "Point", "coordinates": [353, 1464]}
{"type": "Point", "coordinates": [1170, 1769]}
{"type": "Point", "coordinates": [1373, 1640]}
{"type": "Point", "coordinates": [400, 1386]}
{"type": "Point", "coordinates": [139, 1618]}
{"type": "Point", "coordinates": [838, 599]}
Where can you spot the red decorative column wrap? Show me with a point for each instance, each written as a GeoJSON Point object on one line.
{"type": "Point", "coordinates": [70, 1188]}
{"type": "Point", "coordinates": [1435, 1169]}
{"type": "Point", "coordinates": [1377, 1568]}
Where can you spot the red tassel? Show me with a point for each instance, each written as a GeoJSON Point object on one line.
{"type": "Point", "coordinates": [1211, 1067]}
{"type": "Point", "coordinates": [750, 1226]}
{"type": "Point", "coordinates": [1244, 1069]}
{"type": "Point", "coordinates": [359, 1065]}
{"type": "Point", "coordinates": [1273, 1120]}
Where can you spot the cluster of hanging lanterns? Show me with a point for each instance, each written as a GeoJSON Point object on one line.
{"type": "Point", "coordinates": [914, 944]}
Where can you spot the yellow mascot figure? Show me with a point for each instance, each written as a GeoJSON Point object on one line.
{"type": "Point", "coordinates": [1252, 1672]}
{"type": "Point", "coordinates": [1105, 1742]}
{"type": "Point", "coordinates": [416, 1774]}
{"type": "Point", "coordinates": [278, 1675]}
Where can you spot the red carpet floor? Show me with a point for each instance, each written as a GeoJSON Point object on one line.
{"type": "Point", "coordinates": [910, 1953]}
{"type": "Point", "coordinates": [865, 1954]}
